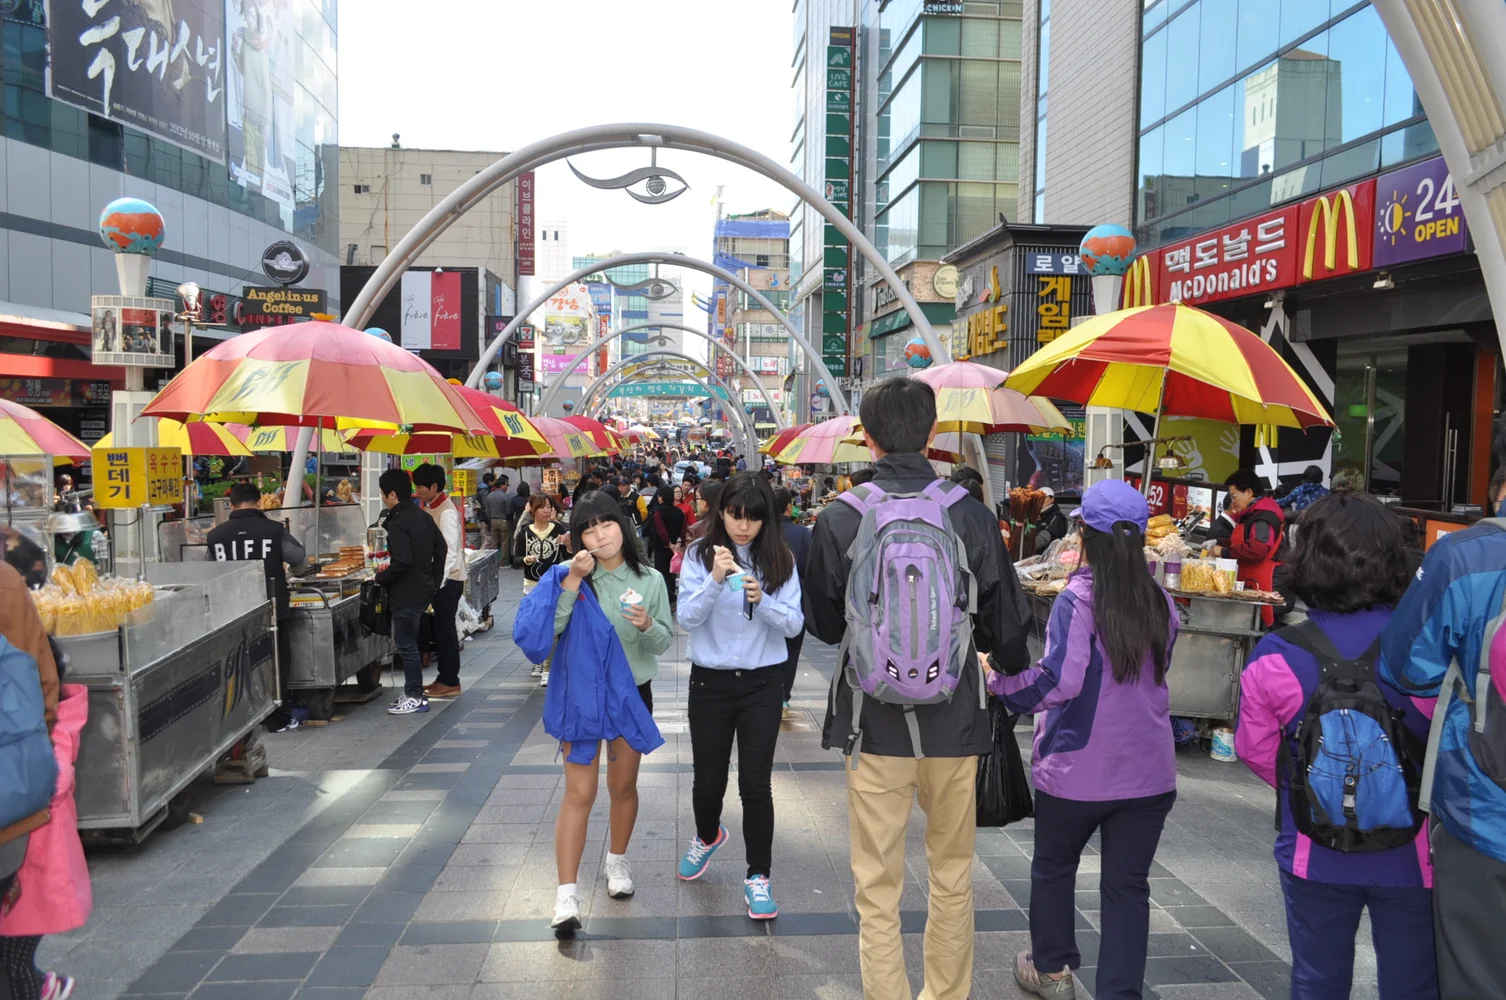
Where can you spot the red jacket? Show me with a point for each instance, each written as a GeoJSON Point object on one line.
{"type": "Point", "coordinates": [1258, 531]}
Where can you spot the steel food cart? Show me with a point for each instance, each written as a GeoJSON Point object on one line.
{"type": "Point", "coordinates": [483, 579]}
{"type": "Point", "coordinates": [171, 690]}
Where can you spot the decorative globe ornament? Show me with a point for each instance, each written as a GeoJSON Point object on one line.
{"type": "Point", "coordinates": [492, 381]}
{"type": "Point", "coordinates": [568, 405]}
{"type": "Point", "coordinates": [1107, 249]}
{"type": "Point", "coordinates": [379, 333]}
{"type": "Point", "coordinates": [130, 225]}
{"type": "Point", "coordinates": [917, 354]}
{"type": "Point", "coordinates": [821, 389]}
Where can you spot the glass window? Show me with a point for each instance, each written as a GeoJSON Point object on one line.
{"type": "Point", "coordinates": [981, 38]}
{"type": "Point", "coordinates": [1216, 165]}
{"type": "Point", "coordinates": [975, 160]}
{"type": "Point", "coordinates": [1357, 70]}
{"type": "Point", "coordinates": [904, 111]}
{"type": "Point", "coordinates": [1040, 156]}
{"type": "Point", "coordinates": [1401, 97]}
{"type": "Point", "coordinates": [1298, 17]}
{"type": "Point", "coordinates": [1408, 144]}
{"type": "Point", "coordinates": [1181, 72]}
{"type": "Point", "coordinates": [1357, 161]}
{"type": "Point", "coordinates": [935, 225]}
{"type": "Point", "coordinates": [1258, 31]}
{"type": "Point", "coordinates": [1180, 156]}
{"type": "Point", "coordinates": [1043, 60]}
{"type": "Point", "coordinates": [1216, 51]}
{"type": "Point", "coordinates": [1009, 39]}
{"type": "Point", "coordinates": [904, 172]}
{"type": "Point", "coordinates": [939, 159]}
{"type": "Point", "coordinates": [898, 223]}
{"type": "Point", "coordinates": [1255, 138]}
{"type": "Point", "coordinates": [943, 35]}
{"type": "Point", "coordinates": [1150, 172]}
{"type": "Point", "coordinates": [1153, 79]}
{"type": "Point", "coordinates": [1155, 13]}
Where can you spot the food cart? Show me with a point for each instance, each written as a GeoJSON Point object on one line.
{"type": "Point", "coordinates": [175, 686]}
{"type": "Point", "coordinates": [483, 581]}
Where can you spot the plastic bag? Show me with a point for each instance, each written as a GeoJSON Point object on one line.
{"type": "Point", "coordinates": [1003, 792]}
{"type": "Point", "coordinates": [467, 619]}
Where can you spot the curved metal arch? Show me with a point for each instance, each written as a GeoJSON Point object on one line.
{"type": "Point", "coordinates": [745, 422]}
{"type": "Point", "coordinates": [656, 257]}
{"type": "Point", "coordinates": [584, 355]}
{"type": "Point", "coordinates": [620, 136]}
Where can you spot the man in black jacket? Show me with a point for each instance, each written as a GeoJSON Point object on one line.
{"type": "Point", "coordinates": [898, 418]}
{"type": "Point", "coordinates": [250, 534]}
{"type": "Point", "coordinates": [418, 552]}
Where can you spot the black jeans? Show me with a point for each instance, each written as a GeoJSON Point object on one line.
{"type": "Point", "coordinates": [662, 557]}
{"type": "Point", "coordinates": [745, 704]}
{"type": "Point", "coordinates": [446, 639]}
{"type": "Point", "coordinates": [405, 639]}
{"type": "Point", "coordinates": [1131, 830]}
{"type": "Point", "coordinates": [792, 665]}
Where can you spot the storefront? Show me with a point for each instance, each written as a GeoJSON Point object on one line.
{"type": "Point", "coordinates": [880, 343]}
{"type": "Point", "coordinates": [1371, 294]}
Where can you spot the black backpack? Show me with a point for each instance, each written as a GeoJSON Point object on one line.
{"type": "Point", "coordinates": [1355, 769]}
{"type": "Point", "coordinates": [376, 610]}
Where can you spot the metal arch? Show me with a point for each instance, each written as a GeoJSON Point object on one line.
{"type": "Point", "coordinates": [749, 434]}
{"type": "Point", "coordinates": [657, 257]}
{"type": "Point", "coordinates": [585, 355]}
{"type": "Point", "coordinates": [619, 136]}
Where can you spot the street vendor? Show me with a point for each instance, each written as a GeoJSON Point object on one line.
{"type": "Point", "coordinates": [1053, 523]}
{"type": "Point", "coordinates": [70, 547]}
{"type": "Point", "coordinates": [1258, 529]}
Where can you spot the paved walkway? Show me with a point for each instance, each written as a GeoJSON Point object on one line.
{"type": "Point", "coordinates": [389, 859]}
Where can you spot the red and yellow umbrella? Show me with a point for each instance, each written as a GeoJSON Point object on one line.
{"type": "Point", "coordinates": [24, 431]}
{"type": "Point", "coordinates": [1173, 360]}
{"type": "Point", "coordinates": [601, 435]}
{"type": "Point", "coordinates": [825, 443]}
{"type": "Point", "coordinates": [198, 438]}
{"type": "Point", "coordinates": [285, 438]}
{"type": "Point", "coordinates": [315, 375]}
{"type": "Point", "coordinates": [775, 444]}
{"type": "Point", "coordinates": [510, 434]}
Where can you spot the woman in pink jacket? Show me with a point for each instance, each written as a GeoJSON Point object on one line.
{"type": "Point", "coordinates": [55, 894]}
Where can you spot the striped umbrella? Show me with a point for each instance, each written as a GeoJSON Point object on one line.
{"type": "Point", "coordinates": [601, 435]}
{"type": "Point", "coordinates": [24, 431]}
{"type": "Point", "coordinates": [285, 438]}
{"type": "Point", "coordinates": [824, 443]}
{"type": "Point", "coordinates": [775, 444]}
{"type": "Point", "coordinates": [227, 440]}
{"type": "Point", "coordinates": [510, 434]}
{"type": "Point", "coordinates": [315, 375]}
{"type": "Point", "coordinates": [969, 400]}
{"type": "Point", "coordinates": [566, 441]}
{"type": "Point", "coordinates": [1175, 361]}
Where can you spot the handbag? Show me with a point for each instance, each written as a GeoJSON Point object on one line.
{"type": "Point", "coordinates": [677, 560]}
{"type": "Point", "coordinates": [1003, 791]}
{"type": "Point", "coordinates": [376, 609]}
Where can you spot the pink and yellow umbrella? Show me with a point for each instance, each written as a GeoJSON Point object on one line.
{"type": "Point", "coordinates": [826, 443]}
{"type": "Point", "coordinates": [24, 431]}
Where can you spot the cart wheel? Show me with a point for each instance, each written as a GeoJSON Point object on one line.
{"type": "Point", "coordinates": [320, 703]}
{"type": "Point", "coordinates": [178, 808]}
{"type": "Point", "coordinates": [369, 678]}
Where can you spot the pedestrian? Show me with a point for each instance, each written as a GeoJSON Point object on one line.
{"type": "Point", "coordinates": [499, 513]}
{"type": "Point", "coordinates": [798, 538]}
{"type": "Point", "coordinates": [611, 632]}
{"type": "Point", "coordinates": [740, 599]}
{"type": "Point", "coordinates": [1308, 493]}
{"type": "Point", "coordinates": [706, 498]}
{"type": "Point", "coordinates": [898, 417]}
{"type": "Point", "coordinates": [664, 532]}
{"type": "Point", "coordinates": [1259, 526]}
{"type": "Point", "coordinates": [1112, 769]}
{"type": "Point", "coordinates": [541, 543]}
{"type": "Point", "coordinates": [684, 500]}
{"type": "Point", "coordinates": [415, 573]}
{"type": "Point", "coordinates": [429, 486]}
{"type": "Point", "coordinates": [1350, 568]}
{"type": "Point", "coordinates": [1442, 639]}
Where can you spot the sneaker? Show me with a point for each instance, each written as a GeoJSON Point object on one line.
{"type": "Point", "coordinates": [1037, 983]}
{"type": "Point", "coordinates": [438, 690]}
{"type": "Point", "coordinates": [408, 706]}
{"type": "Point", "coordinates": [285, 727]}
{"type": "Point", "coordinates": [789, 713]}
{"type": "Point", "coordinates": [566, 916]}
{"type": "Point", "coordinates": [56, 987]}
{"type": "Point", "coordinates": [619, 879]}
{"type": "Point", "coordinates": [693, 864]}
{"type": "Point", "coordinates": [537, 671]}
{"type": "Point", "coordinates": [761, 905]}
{"type": "Point", "coordinates": [544, 679]}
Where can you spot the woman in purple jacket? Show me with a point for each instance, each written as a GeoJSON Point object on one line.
{"type": "Point", "coordinates": [1103, 755]}
{"type": "Point", "coordinates": [1350, 568]}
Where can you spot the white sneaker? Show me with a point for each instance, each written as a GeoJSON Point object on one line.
{"type": "Point", "coordinates": [544, 679]}
{"type": "Point", "coordinates": [619, 879]}
{"type": "Point", "coordinates": [566, 915]}
{"type": "Point", "coordinates": [408, 706]}
{"type": "Point", "coordinates": [537, 671]}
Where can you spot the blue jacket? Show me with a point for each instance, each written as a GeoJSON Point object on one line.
{"type": "Point", "coordinates": [1441, 619]}
{"type": "Point", "coordinates": [591, 694]}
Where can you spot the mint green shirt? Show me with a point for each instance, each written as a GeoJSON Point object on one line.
{"type": "Point", "coordinates": [642, 648]}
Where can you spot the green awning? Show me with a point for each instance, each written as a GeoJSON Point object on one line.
{"type": "Point", "coordinates": [936, 312]}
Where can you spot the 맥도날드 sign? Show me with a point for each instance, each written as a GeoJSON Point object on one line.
{"type": "Point", "coordinates": [133, 331]}
{"type": "Point", "coordinates": [154, 66]}
{"type": "Point", "coordinates": [263, 307]}
{"type": "Point", "coordinates": [130, 477]}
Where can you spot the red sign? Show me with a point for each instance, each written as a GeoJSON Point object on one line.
{"type": "Point", "coordinates": [525, 223]}
{"type": "Point", "coordinates": [444, 328]}
{"type": "Point", "coordinates": [54, 392]}
{"type": "Point", "coordinates": [1247, 258]}
{"type": "Point", "coordinates": [1337, 232]}
{"type": "Point", "coordinates": [604, 354]}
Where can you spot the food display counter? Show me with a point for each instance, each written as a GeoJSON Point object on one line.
{"type": "Point", "coordinates": [173, 688]}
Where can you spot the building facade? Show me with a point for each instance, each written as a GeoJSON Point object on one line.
{"type": "Point", "coordinates": [756, 247]}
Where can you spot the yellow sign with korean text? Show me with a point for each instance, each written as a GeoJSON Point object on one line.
{"type": "Point", "coordinates": [1054, 307]}
{"type": "Point", "coordinates": [130, 477]}
{"type": "Point", "coordinates": [463, 482]}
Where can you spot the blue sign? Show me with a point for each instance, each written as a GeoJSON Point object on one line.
{"type": "Point", "coordinates": [1065, 262]}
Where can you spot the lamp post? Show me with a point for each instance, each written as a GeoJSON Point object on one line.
{"type": "Point", "coordinates": [193, 309]}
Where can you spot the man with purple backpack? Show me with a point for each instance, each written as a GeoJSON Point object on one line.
{"type": "Point", "coordinates": [907, 703]}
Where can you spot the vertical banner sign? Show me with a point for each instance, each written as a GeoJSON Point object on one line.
{"type": "Point", "coordinates": [445, 296]}
{"type": "Point", "coordinates": [525, 223]}
{"type": "Point", "coordinates": [837, 255]}
{"type": "Point", "coordinates": [418, 310]}
{"type": "Point", "coordinates": [1053, 306]}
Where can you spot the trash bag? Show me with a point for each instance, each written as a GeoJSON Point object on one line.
{"type": "Point", "coordinates": [1003, 791]}
{"type": "Point", "coordinates": [467, 619]}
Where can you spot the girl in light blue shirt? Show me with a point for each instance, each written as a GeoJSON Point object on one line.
{"type": "Point", "coordinates": [740, 601]}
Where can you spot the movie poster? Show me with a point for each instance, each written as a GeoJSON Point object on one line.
{"type": "Point", "coordinates": [260, 40]}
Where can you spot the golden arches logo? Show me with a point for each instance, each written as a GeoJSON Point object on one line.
{"type": "Point", "coordinates": [1342, 204]}
{"type": "Point", "coordinates": [1138, 287]}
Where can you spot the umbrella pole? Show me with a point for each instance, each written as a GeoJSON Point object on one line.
{"type": "Point", "coordinates": [1150, 446]}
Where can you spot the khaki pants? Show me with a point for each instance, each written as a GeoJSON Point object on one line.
{"type": "Point", "coordinates": [879, 794]}
{"type": "Point", "coordinates": [502, 539]}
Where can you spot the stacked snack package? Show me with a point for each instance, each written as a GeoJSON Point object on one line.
{"type": "Point", "coordinates": [1063, 556]}
{"type": "Point", "coordinates": [78, 602]}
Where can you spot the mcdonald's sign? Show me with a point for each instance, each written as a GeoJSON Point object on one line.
{"type": "Point", "coordinates": [1139, 286]}
{"type": "Point", "coordinates": [1337, 232]}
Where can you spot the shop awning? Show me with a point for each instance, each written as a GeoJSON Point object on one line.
{"type": "Point", "coordinates": [894, 322]}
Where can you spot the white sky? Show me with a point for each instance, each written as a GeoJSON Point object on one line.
{"type": "Point", "coordinates": [497, 74]}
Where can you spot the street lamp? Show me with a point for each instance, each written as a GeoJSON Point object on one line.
{"type": "Point", "coordinates": [193, 309]}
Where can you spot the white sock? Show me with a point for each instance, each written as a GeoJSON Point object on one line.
{"type": "Point", "coordinates": [615, 857]}
{"type": "Point", "coordinates": [567, 889]}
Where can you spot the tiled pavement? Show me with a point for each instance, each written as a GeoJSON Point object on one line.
{"type": "Point", "coordinates": [396, 858]}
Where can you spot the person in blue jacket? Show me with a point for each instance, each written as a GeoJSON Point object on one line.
{"type": "Point", "coordinates": [1432, 647]}
{"type": "Point", "coordinates": [610, 632]}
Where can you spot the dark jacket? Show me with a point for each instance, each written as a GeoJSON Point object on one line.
{"type": "Point", "coordinates": [250, 534]}
{"type": "Point", "coordinates": [1052, 527]}
{"type": "Point", "coordinates": [418, 553]}
{"type": "Point", "coordinates": [960, 727]}
{"type": "Point", "coordinates": [664, 528]}
{"type": "Point", "coordinates": [798, 538]}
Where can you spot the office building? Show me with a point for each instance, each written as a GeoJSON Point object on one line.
{"type": "Point", "coordinates": [756, 247]}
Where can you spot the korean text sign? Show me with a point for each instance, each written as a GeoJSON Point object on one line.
{"type": "Point", "coordinates": [130, 477]}
{"type": "Point", "coordinates": [1256, 255]}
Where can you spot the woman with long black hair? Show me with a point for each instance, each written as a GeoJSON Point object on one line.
{"type": "Point", "coordinates": [664, 530]}
{"type": "Point", "coordinates": [1103, 757]}
{"type": "Point", "coordinates": [740, 601]}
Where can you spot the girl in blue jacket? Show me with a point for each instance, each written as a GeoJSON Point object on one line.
{"type": "Point", "coordinates": [610, 633]}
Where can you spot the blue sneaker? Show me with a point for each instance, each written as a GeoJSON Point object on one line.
{"type": "Point", "coordinates": [761, 905]}
{"type": "Point", "coordinates": [693, 864]}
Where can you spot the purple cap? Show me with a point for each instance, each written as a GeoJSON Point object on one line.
{"type": "Point", "coordinates": [1113, 500]}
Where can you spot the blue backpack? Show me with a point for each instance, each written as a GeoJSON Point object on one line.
{"type": "Point", "coordinates": [1355, 769]}
{"type": "Point", "coordinates": [28, 770]}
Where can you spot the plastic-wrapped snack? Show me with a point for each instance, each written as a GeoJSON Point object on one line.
{"type": "Point", "coordinates": [63, 577]}
{"type": "Point", "coordinates": [1172, 545]}
{"type": "Point", "coordinates": [85, 576]}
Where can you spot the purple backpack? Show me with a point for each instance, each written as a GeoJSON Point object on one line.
{"type": "Point", "coordinates": [910, 596]}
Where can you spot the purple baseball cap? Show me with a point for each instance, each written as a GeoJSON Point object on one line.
{"type": "Point", "coordinates": [1113, 500]}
